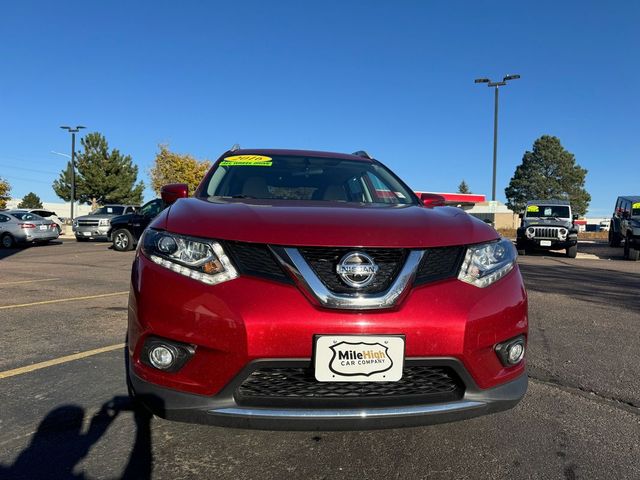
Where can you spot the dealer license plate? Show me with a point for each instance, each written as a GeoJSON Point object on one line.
{"type": "Point", "coordinates": [86, 234]}
{"type": "Point", "coordinates": [42, 227]}
{"type": "Point", "coordinates": [359, 358]}
{"type": "Point", "coordinates": [545, 243]}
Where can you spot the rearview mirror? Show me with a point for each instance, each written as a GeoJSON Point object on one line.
{"type": "Point", "coordinates": [432, 200]}
{"type": "Point", "coordinates": [172, 192]}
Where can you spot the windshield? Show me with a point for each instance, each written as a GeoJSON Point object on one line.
{"type": "Point", "coordinates": [26, 216]}
{"type": "Point", "coordinates": [305, 178]}
{"type": "Point", "coordinates": [108, 210]}
{"type": "Point", "coordinates": [548, 211]}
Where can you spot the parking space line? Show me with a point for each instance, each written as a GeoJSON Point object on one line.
{"type": "Point", "coordinates": [59, 360]}
{"type": "Point", "coordinates": [29, 281]}
{"type": "Point", "coordinates": [60, 300]}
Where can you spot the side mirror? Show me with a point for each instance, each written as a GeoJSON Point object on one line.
{"type": "Point", "coordinates": [575, 216]}
{"type": "Point", "coordinates": [172, 192]}
{"type": "Point", "coordinates": [521, 216]}
{"type": "Point", "coordinates": [432, 200]}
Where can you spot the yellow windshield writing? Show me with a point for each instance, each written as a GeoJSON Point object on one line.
{"type": "Point", "coordinates": [247, 161]}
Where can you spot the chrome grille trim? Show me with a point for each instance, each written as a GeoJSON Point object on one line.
{"type": "Point", "coordinates": [293, 261]}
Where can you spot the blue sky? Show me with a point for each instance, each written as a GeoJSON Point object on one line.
{"type": "Point", "coordinates": [393, 78]}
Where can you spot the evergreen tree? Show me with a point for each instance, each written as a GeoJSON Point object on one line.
{"type": "Point", "coordinates": [30, 200]}
{"type": "Point", "coordinates": [62, 186]}
{"type": "Point", "coordinates": [103, 176]}
{"type": "Point", "coordinates": [463, 187]}
{"type": "Point", "coordinates": [547, 172]}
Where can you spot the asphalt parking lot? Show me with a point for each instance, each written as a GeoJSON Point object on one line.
{"type": "Point", "coordinates": [65, 413]}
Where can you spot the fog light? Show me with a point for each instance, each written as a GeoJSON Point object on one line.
{"type": "Point", "coordinates": [167, 355]}
{"type": "Point", "coordinates": [161, 357]}
{"type": "Point", "coordinates": [515, 353]}
{"type": "Point", "coordinates": [511, 352]}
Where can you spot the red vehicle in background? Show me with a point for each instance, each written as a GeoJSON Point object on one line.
{"type": "Point", "coordinates": [314, 290]}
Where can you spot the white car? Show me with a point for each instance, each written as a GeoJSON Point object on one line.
{"type": "Point", "coordinates": [49, 215]}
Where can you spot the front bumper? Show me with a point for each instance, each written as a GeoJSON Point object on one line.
{"type": "Point", "coordinates": [222, 409]}
{"type": "Point", "coordinates": [535, 243]}
{"type": "Point", "coordinates": [82, 231]}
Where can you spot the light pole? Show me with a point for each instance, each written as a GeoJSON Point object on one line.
{"type": "Point", "coordinates": [496, 86]}
{"type": "Point", "coordinates": [73, 132]}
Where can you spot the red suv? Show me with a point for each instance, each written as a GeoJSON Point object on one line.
{"type": "Point", "coordinates": [314, 290]}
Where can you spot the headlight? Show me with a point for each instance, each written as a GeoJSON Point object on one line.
{"type": "Point", "coordinates": [200, 259]}
{"type": "Point", "coordinates": [487, 263]}
{"type": "Point", "coordinates": [104, 222]}
{"type": "Point", "coordinates": [531, 232]}
{"type": "Point", "coordinates": [74, 223]}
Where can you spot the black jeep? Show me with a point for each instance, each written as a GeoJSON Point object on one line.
{"type": "Point", "coordinates": [126, 230]}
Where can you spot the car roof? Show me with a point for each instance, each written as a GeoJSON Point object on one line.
{"type": "Point", "coordinates": [631, 198]}
{"type": "Point", "coordinates": [549, 202]}
{"type": "Point", "coordinates": [299, 153]}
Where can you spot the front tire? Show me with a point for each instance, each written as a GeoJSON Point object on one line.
{"type": "Point", "coordinates": [634, 254]}
{"type": "Point", "coordinates": [614, 239]}
{"type": "Point", "coordinates": [122, 240]}
{"type": "Point", "coordinates": [572, 251]}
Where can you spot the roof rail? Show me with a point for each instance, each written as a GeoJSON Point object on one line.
{"type": "Point", "coordinates": [236, 146]}
{"type": "Point", "coordinates": [362, 153]}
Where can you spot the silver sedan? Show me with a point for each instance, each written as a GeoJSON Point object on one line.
{"type": "Point", "coordinates": [20, 226]}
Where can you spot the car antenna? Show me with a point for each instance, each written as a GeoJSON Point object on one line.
{"type": "Point", "coordinates": [236, 146]}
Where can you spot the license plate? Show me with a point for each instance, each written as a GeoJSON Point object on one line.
{"type": "Point", "coordinates": [86, 234]}
{"type": "Point", "coordinates": [545, 243]}
{"type": "Point", "coordinates": [358, 358]}
{"type": "Point", "coordinates": [42, 227]}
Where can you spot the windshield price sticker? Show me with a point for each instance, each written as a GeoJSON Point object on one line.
{"type": "Point", "coordinates": [533, 208]}
{"type": "Point", "coordinates": [247, 161]}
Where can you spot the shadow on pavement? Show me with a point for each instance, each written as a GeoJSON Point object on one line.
{"type": "Point", "coordinates": [59, 444]}
{"type": "Point", "coordinates": [595, 285]}
{"type": "Point", "coordinates": [7, 252]}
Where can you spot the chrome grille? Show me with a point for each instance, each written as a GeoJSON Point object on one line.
{"type": "Point", "coordinates": [88, 223]}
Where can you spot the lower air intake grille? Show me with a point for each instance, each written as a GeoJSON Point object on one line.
{"type": "Point", "coordinates": [297, 386]}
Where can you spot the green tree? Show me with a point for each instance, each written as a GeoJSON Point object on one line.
{"type": "Point", "coordinates": [103, 175]}
{"type": "Point", "coordinates": [463, 187]}
{"type": "Point", "coordinates": [30, 200]}
{"type": "Point", "coordinates": [62, 186]}
{"type": "Point", "coordinates": [548, 171]}
{"type": "Point", "coordinates": [5, 190]}
{"type": "Point", "coordinates": [171, 167]}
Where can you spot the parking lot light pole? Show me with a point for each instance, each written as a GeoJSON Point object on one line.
{"type": "Point", "coordinates": [73, 132]}
{"type": "Point", "coordinates": [496, 86]}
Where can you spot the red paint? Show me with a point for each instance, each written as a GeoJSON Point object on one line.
{"type": "Point", "coordinates": [249, 318]}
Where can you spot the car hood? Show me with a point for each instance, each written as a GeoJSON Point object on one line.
{"type": "Point", "coordinates": [548, 222]}
{"type": "Point", "coordinates": [94, 217]}
{"type": "Point", "coordinates": [323, 223]}
{"type": "Point", "coordinates": [123, 218]}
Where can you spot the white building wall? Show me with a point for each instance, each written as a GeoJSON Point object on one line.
{"type": "Point", "coordinates": [62, 209]}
